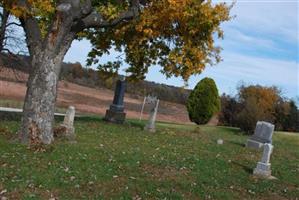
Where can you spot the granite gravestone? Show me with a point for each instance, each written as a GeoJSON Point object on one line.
{"type": "Point", "coordinates": [152, 118]}
{"type": "Point", "coordinates": [263, 167]}
{"type": "Point", "coordinates": [116, 112]}
{"type": "Point", "coordinates": [262, 134]}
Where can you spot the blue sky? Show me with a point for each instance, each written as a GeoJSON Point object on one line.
{"type": "Point", "coordinates": [260, 47]}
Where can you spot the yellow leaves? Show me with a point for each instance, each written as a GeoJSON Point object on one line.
{"type": "Point", "coordinates": [148, 31]}
{"type": "Point", "coordinates": [176, 34]}
{"type": "Point", "coordinates": [17, 11]}
{"type": "Point", "coordinates": [42, 6]}
{"type": "Point", "coordinates": [35, 7]}
{"type": "Point", "coordinates": [110, 11]}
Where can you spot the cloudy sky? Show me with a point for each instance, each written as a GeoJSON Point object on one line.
{"type": "Point", "coordinates": [260, 47]}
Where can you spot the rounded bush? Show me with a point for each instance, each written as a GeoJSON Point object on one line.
{"type": "Point", "coordinates": [203, 101]}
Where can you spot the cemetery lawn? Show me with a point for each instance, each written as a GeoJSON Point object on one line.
{"type": "Point", "coordinates": [124, 162]}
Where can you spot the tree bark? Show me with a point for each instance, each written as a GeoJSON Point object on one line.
{"type": "Point", "coordinates": [39, 107]}
{"type": "Point", "coordinates": [4, 20]}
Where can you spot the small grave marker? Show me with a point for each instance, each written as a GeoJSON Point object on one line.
{"type": "Point", "coordinates": [67, 129]}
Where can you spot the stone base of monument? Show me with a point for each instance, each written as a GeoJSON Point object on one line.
{"type": "Point", "coordinates": [115, 117]}
{"type": "Point", "coordinates": [262, 170]}
{"type": "Point", "coordinates": [254, 144]}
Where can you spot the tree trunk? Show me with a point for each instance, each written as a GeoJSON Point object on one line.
{"type": "Point", "coordinates": [4, 19]}
{"type": "Point", "coordinates": [39, 105]}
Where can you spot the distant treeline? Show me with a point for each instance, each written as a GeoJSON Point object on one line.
{"type": "Point", "coordinates": [95, 78]}
{"type": "Point", "coordinates": [75, 73]}
{"type": "Point", "coordinates": [255, 103]}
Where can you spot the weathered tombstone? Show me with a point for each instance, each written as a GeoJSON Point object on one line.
{"type": "Point", "coordinates": [262, 134]}
{"type": "Point", "coordinates": [263, 168]}
{"type": "Point", "coordinates": [67, 129]}
{"type": "Point", "coordinates": [147, 100]}
{"type": "Point", "coordinates": [116, 113]}
{"type": "Point", "coordinates": [152, 118]}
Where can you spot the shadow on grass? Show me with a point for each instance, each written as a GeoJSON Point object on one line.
{"type": "Point", "coordinates": [127, 123]}
{"type": "Point", "coordinates": [244, 167]}
{"type": "Point", "coordinates": [89, 118]}
{"type": "Point", "coordinates": [236, 143]}
{"type": "Point", "coordinates": [136, 124]}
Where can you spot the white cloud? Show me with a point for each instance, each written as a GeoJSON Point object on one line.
{"type": "Point", "coordinates": [276, 18]}
{"type": "Point", "coordinates": [253, 70]}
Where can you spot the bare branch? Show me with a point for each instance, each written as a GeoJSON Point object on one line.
{"type": "Point", "coordinates": [33, 33]}
{"type": "Point", "coordinates": [13, 23]}
{"type": "Point", "coordinates": [31, 28]}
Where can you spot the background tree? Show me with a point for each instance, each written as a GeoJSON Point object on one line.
{"type": "Point", "coordinates": [282, 110]}
{"type": "Point", "coordinates": [11, 40]}
{"type": "Point", "coordinates": [257, 103]}
{"type": "Point", "coordinates": [177, 34]}
{"type": "Point", "coordinates": [230, 108]}
{"type": "Point", "coordinates": [292, 121]}
{"type": "Point", "coordinates": [203, 101]}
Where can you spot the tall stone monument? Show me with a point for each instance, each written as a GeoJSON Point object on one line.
{"type": "Point", "coordinates": [116, 113]}
{"type": "Point", "coordinates": [262, 134]}
{"type": "Point", "coordinates": [150, 126]}
{"type": "Point", "coordinates": [263, 168]}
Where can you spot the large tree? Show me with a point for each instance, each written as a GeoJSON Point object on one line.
{"type": "Point", "coordinates": [177, 34]}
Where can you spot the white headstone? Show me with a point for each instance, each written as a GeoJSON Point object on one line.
{"type": "Point", "coordinates": [68, 122]}
{"type": "Point", "coordinates": [152, 118]}
{"type": "Point", "coordinates": [263, 134]}
{"type": "Point", "coordinates": [147, 100]}
{"type": "Point", "coordinates": [263, 167]}
{"type": "Point", "coordinates": [69, 117]}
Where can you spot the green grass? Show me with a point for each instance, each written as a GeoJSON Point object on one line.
{"type": "Point", "coordinates": [11, 103]}
{"type": "Point", "coordinates": [124, 162]}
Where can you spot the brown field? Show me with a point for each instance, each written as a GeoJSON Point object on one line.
{"type": "Point", "coordinates": [88, 100]}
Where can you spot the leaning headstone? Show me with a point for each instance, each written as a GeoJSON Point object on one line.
{"type": "Point", "coordinates": [150, 126]}
{"type": "Point", "coordinates": [263, 168]}
{"type": "Point", "coordinates": [116, 113]}
{"type": "Point", "coordinates": [67, 129]}
{"type": "Point", "coordinates": [262, 134]}
{"type": "Point", "coordinates": [147, 100]}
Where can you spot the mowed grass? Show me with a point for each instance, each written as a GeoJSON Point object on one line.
{"type": "Point", "coordinates": [124, 162]}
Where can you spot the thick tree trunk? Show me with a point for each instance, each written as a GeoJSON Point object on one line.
{"type": "Point", "coordinates": [39, 105]}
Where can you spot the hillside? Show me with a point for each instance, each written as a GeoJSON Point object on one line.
{"type": "Point", "coordinates": [76, 73]}
{"type": "Point", "coordinates": [85, 99]}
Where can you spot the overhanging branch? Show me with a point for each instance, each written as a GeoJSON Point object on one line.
{"type": "Point", "coordinates": [96, 20]}
{"type": "Point", "coordinates": [13, 23]}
